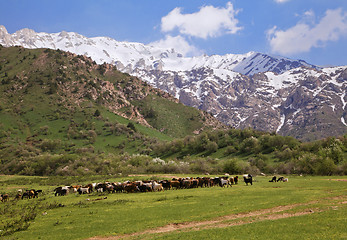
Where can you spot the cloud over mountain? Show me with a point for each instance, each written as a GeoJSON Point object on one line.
{"type": "Point", "coordinates": [304, 36]}
{"type": "Point", "coordinates": [209, 21]}
{"type": "Point", "coordinates": [179, 43]}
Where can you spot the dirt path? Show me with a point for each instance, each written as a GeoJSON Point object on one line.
{"type": "Point", "coordinates": [274, 213]}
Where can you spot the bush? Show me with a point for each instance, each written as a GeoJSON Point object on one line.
{"type": "Point", "coordinates": [232, 167]}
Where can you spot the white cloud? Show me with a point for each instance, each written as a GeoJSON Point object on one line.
{"type": "Point", "coordinates": [178, 43]}
{"type": "Point", "coordinates": [208, 22]}
{"type": "Point", "coordinates": [303, 36]}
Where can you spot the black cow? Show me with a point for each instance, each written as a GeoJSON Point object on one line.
{"type": "Point", "coordinates": [273, 179]}
{"type": "Point", "coordinates": [60, 191]}
{"type": "Point", "coordinates": [248, 179]}
{"type": "Point", "coordinates": [280, 179]}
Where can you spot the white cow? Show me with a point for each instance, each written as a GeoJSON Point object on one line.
{"type": "Point", "coordinates": [157, 186]}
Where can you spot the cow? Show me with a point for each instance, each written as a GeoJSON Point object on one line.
{"type": "Point", "coordinates": [206, 182]}
{"type": "Point", "coordinates": [175, 184]}
{"type": "Point", "coordinates": [273, 179]}
{"type": "Point", "coordinates": [131, 187]}
{"type": "Point", "coordinates": [101, 187]}
{"type": "Point", "coordinates": [236, 179]}
{"type": "Point", "coordinates": [280, 179]}
{"type": "Point", "coordinates": [157, 187]}
{"type": "Point", "coordinates": [215, 181]}
{"type": "Point", "coordinates": [285, 180]}
{"type": "Point", "coordinates": [224, 181]}
{"type": "Point", "coordinates": [18, 196]}
{"type": "Point", "coordinates": [248, 179]}
{"type": "Point", "coordinates": [166, 184]}
{"type": "Point", "coordinates": [4, 197]}
{"type": "Point", "coordinates": [83, 190]}
{"type": "Point", "coordinates": [60, 191]}
{"type": "Point", "coordinates": [231, 180]}
{"type": "Point", "coordinates": [28, 194]}
{"type": "Point", "coordinates": [90, 186]}
{"type": "Point", "coordinates": [186, 183]}
{"type": "Point", "coordinates": [110, 188]}
{"type": "Point", "coordinates": [143, 188]}
{"type": "Point", "coordinates": [118, 187]}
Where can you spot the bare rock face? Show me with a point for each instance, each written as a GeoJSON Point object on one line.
{"type": "Point", "coordinates": [305, 103]}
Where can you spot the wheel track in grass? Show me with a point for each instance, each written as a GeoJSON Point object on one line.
{"type": "Point", "coordinates": [274, 213]}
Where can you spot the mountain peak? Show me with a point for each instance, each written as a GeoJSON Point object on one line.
{"type": "Point", "coordinates": [3, 31]}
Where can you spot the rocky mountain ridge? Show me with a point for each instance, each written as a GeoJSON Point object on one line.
{"type": "Point", "coordinates": [253, 90]}
{"type": "Point", "coordinates": [132, 56]}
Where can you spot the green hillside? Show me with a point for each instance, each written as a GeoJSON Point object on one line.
{"type": "Point", "coordinates": [54, 102]}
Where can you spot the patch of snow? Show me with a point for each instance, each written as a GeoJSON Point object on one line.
{"type": "Point", "coordinates": [283, 118]}
{"type": "Point", "coordinates": [343, 101]}
{"type": "Point", "coordinates": [333, 107]}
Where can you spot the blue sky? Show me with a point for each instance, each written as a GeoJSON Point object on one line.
{"type": "Point", "coordinates": [312, 30]}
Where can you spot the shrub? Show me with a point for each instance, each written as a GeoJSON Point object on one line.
{"type": "Point", "coordinates": [231, 166]}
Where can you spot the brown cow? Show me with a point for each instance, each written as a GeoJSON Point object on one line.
{"type": "Point", "coordinates": [29, 194]}
{"type": "Point", "coordinates": [131, 187]}
{"type": "Point", "coordinates": [4, 197]}
{"type": "Point", "coordinates": [18, 196]}
{"type": "Point", "coordinates": [175, 184]}
{"type": "Point", "coordinates": [186, 183]}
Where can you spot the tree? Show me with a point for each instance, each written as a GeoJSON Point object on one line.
{"type": "Point", "coordinates": [131, 126]}
{"type": "Point", "coordinates": [97, 113]}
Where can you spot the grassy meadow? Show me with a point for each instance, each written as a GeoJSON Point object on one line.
{"type": "Point", "coordinates": [306, 207]}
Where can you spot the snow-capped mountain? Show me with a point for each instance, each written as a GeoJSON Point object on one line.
{"type": "Point", "coordinates": [131, 56]}
{"type": "Point", "coordinates": [255, 90]}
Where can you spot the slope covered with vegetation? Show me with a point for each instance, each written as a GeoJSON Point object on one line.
{"type": "Point", "coordinates": [56, 107]}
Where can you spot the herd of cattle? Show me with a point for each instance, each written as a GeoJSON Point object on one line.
{"type": "Point", "coordinates": [140, 186]}
{"type": "Point", "coordinates": [149, 186]}
{"type": "Point", "coordinates": [27, 194]}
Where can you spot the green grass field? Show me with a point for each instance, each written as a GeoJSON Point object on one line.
{"type": "Point", "coordinates": [303, 208]}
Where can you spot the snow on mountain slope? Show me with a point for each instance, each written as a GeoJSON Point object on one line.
{"type": "Point", "coordinates": [129, 56]}
{"type": "Point", "coordinates": [255, 90]}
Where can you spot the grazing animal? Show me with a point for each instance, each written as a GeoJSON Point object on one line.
{"type": "Point", "coordinates": [214, 181]}
{"type": "Point", "coordinates": [110, 188]}
{"type": "Point", "coordinates": [206, 181]}
{"type": "Point", "coordinates": [90, 186]}
{"type": "Point", "coordinates": [142, 188]}
{"type": "Point", "coordinates": [236, 179]}
{"type": "Point", "coordinates": [101, 187]}
{"type": "Point", "coordinates": [28, 194]}
{"type": "Point", "coordinates": [18, 196]}
{"type": "Point", "coordinates": [83, 190]}
{"type": "Point", "coordinates": [60, 191]}
{"type": "Point", "coordinates": [285, 180]}
{"type": "Point", "coordinates": [118, 187]}
{"type": "Point", "coordinates": [157, 187]}
{"type": "Point", "coordinates": [224, 181]}
{"type": "Point", "coordinates": [4, 197]}
{"type": "Point", "coordinates": [195, 183]}
{"type": "Point", "coordinates": [131, 187]}
{"type": "Point", "coordinates": [248, 179]}
{"type": "Point", "coordinates": [273, 179]}
{"type": "Point", "coordinates": [186, 183]}
{"type": "Point", "coordinates": [280, 179]}
{"type": "Point", "coordinates": [166, 184]}
{"type": "Point", "coordinates": [175, 184]}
